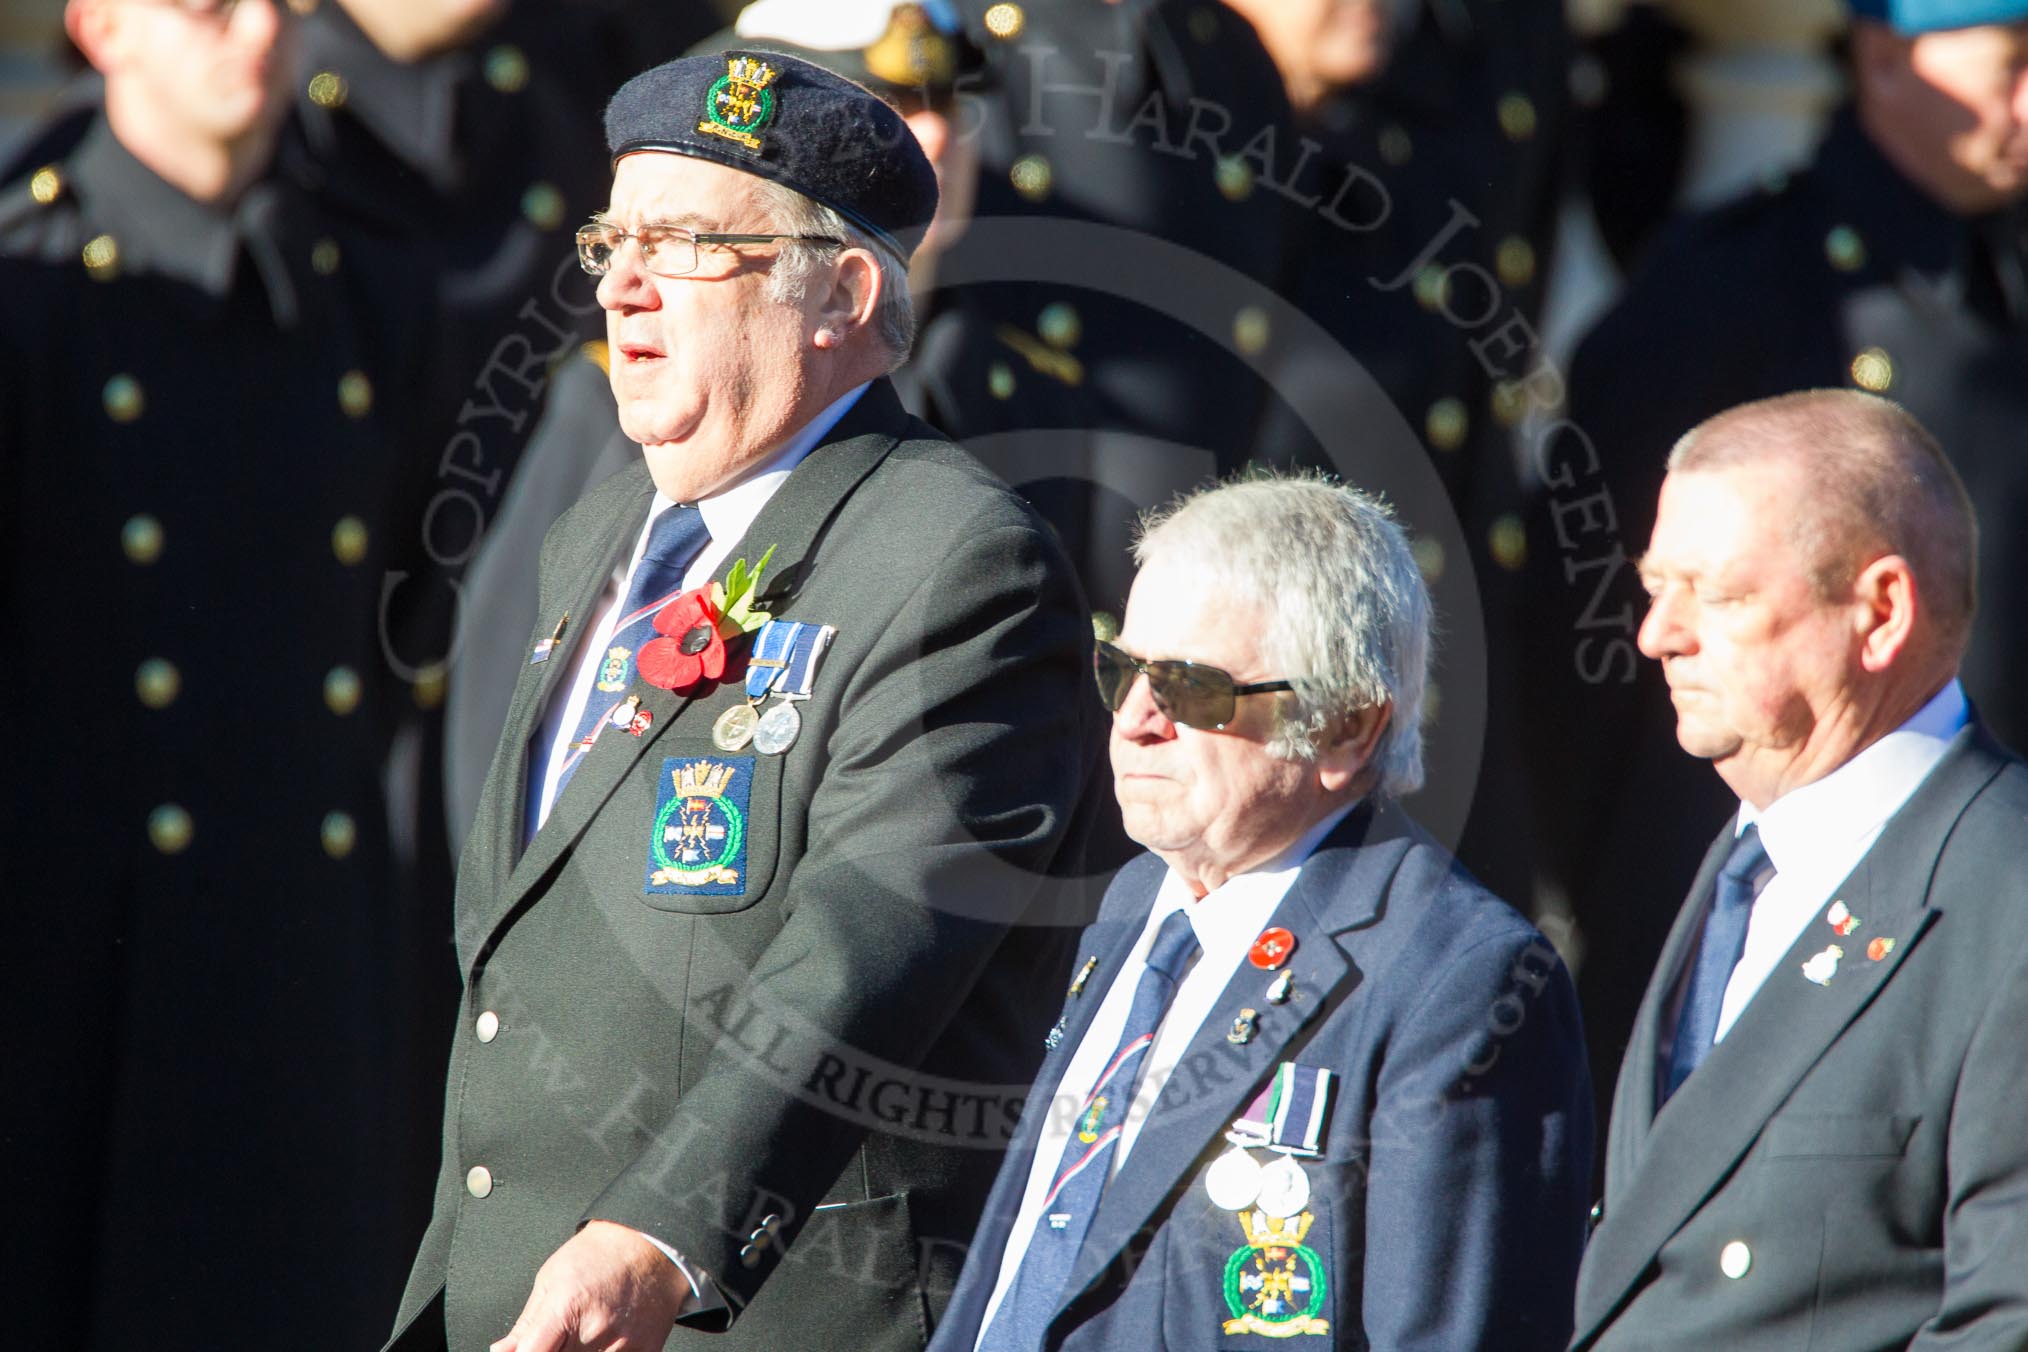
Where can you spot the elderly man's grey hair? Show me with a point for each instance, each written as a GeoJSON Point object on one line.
{"type": "Point", "coordinates": [797, 264]}
{"type": "Point", "coordinates": [1348, 615]}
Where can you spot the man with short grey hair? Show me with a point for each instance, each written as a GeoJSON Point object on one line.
{"type": "Point", "coordinates": [1817, 1135]}
{"type": "Point", "coordinates": [1310, 1078]}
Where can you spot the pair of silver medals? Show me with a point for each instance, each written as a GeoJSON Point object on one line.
{"type": "Point", "coordinates": [771, 733]}
{"type": "Point", "coordinates": [1237, 1181]}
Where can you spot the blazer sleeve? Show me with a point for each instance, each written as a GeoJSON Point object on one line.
{"type": "Point", "coordinates": [1985, 1211]}
{"type": "Point", "coordinates": [1481, 1156]}
{"type": "Point", "coordinates": [953, 770]}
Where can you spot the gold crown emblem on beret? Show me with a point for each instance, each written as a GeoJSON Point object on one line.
{"type": "Point", "coordinates": [740, 102]}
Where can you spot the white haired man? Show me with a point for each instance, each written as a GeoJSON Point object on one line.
{"type": "Point", "coordinates": [1310, 1080]}
{"type": "Point", "coordinates": [785, 766]}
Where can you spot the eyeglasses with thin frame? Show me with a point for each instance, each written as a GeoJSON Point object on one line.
{"type": "Point", "coordinates": [666, 250]}
{"type": "Point", "coordinates": [1191, 693]}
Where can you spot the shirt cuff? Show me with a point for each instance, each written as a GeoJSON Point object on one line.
{"type": "Point", "coordinates": [705, 1291]}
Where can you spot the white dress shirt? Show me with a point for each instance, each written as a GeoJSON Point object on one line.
{"type": "Point", "coordinates": [1226, 922]}
{"type": "Point", "coordinates": [1816, 835]}
{"type": "Point", "coordinates": [727, 514]}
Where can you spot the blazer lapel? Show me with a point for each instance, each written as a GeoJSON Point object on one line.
{"type": "Point", "coordinates": [1340, 889]}
{"type": "Point", "coordinates": [792, 521]}
{"type": "Point", "coordinates": [1718, 1114]}
{"type": "Point", "coordinates": [505, 809]}
{"type": "Point", "coordinates": [1634, 1093]}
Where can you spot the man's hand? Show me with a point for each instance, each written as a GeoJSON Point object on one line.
{"type": "Point", "coordinates": [607, 1290]}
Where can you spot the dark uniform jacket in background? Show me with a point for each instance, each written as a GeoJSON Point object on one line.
{"type": "Point", "coordinates": [1848, 276]}
{"type": "Point", "coordinates": [800, 1077]}
{"type": "Point", "coordinates": [215, 967]}
{"type": "Point", "coordinates": [1846, 1168]}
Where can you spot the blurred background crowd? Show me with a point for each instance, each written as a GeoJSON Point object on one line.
{"type": "Point", "coordinates": [297, 364]}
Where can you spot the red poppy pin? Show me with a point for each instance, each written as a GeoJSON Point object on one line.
{"type": "Point", "coordinates": [694, 627]}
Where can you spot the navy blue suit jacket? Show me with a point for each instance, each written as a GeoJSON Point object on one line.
{"type": "Point", "coordinates": [1447, 1211]}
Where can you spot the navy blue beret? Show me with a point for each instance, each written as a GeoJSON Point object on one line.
{"type": "Point", "coordinates": [782, 118]}
{"type": "Point", "coordinates": [1929, 16]}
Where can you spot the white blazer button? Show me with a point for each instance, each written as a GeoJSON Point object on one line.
{"type": "Point", "coordinates": [1734, 1259]}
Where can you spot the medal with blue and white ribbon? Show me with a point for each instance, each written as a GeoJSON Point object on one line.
{"type": "Point", "coordinates": [784, 663]}
{"type": "Point", "coordinates": [1287, 1118]}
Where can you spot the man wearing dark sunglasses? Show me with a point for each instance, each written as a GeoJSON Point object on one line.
{"type": "Point", "coordinates": [1310, 1078]}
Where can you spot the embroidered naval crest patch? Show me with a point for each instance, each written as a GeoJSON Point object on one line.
{"type": "Point", "coordinates": [698, 842]}
{"type": "Point", "coordinates": [1274, 1283]}
{"type": "Point", "coordinates": [613, 671]}
{"type": "Point", "coordinates": [739, 103]}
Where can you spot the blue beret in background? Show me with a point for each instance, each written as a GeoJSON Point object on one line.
{"type": "Point", "coordinates": [1929, 16]}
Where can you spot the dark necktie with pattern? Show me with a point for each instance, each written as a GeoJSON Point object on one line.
{"type": "Point", "coordinates": [676, 538]}
{"type": "Point", "coordinates": [1717, 954]}
{"type": "Point", "coordinates": [1087, 1161]}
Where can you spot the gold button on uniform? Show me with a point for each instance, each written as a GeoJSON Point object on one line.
{"type": "Point", "coordinates": [1517, 116]}
{"type": "Point", "coordinates": [141, 539]}
{"type": "Point", "coordinates": [542, 204]}
{"type": "Point", "coordinates": [1059, 325]}
{"type": "Point", "coordinates": [1429, 558]}
{"type": "Point", "coordinates": [341, 690]}
{"type": "Point", "coordinates": [324, 256]}
{"type": "Point", "coordinates": [124, 400]}
{"type": "Point", "coordinates": [327, 89]}
{"type": "Point", "coordinates": [1845, 249]}
{"type": "Point", "coordinates": [1445, 424]}
{"type": "Point", "coordinates": [1250, 329]}
{"type": "Point", "coordinates": [1031, 177]}
{"type": "Point", "coordinates": [1234, 177]}
{"type": "Point", "coordinates": [1000, 380]}
{"type": "Point", "coordinates": [1515, 261]}
{"type": "Point", "coordinates": [1734, 1259]}
{"type": "Point", "coordinates": [487, 1026]}
{"type": "Point", "coordinates": [348, 540]}
{"type": "Point", "coordinates": [46, 184]}
{"type": "Point", "coordinates": [102, 258]}
{"type": "Point", "coordinates": [170, 829]}
{"type": "Point", "coordinates": [355, 394]}
{"type": "Point", "coordinates": [1005, 22]}
{"type": "Point", "coordinates": [158, 682]}
{"type": "Point", "coordinates": [479, 1180]}
{"type": "Point", "coordinates": [1873, 370]}
{"type": "Point", "coordinates": [1507, 541]}
{"type": "Point", "coordinates": [339, 834]}
{"type": "Point", "coordinates": [507, 68]}
{"type": "Point", "coordinates": [430, 683]}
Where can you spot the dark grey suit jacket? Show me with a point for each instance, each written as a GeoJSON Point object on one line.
{"type": "Point", "coordinates": [825, 1059]}
{"type": "Point", "coordinates": [1864, 1141]}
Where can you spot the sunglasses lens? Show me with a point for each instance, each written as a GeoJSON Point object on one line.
{"type": "Point", "coordinates": [1188, 693]}
{"type": "Point", "coordinates": [1115, 673]}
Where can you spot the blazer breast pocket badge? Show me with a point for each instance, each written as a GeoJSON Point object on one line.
{"type": "Point", "coordinates": [697, 845]}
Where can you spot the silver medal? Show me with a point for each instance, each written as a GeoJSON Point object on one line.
{"type": "Point", "coordinates": [1284, 1188]}
{"type": "Point", "coordinates": [1233, 1180]}
{"type": "Point", "coordinates": [777, 729]}
{"type": "Point", "coordinates": [734, 728]}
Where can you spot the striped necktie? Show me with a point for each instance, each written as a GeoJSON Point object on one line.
{"type": "Point", "coordinates": [676, 538]}
{"type": "Point", "coordinates": [1067, 1210]}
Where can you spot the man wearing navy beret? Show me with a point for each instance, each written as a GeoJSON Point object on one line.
{"type": "Point", "coordinates": [747, 918]}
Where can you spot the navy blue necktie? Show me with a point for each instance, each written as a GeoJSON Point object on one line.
{"type": "Point", "coordinates": [1081, 1176]}
{"type": "Point", "coordinates": [1717, 954]}
{"type": "Point", "coordinates": [676, 538]}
